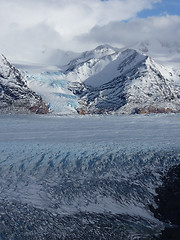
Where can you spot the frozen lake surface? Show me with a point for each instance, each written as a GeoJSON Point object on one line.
{"type": "Point", "coordinates": [73, 177]}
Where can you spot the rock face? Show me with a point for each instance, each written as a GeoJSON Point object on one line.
{"type": "Point", "coordinates": [15, 95]}
{"type": "Point", "coordinates": [168, 204]}
{"type": "Point", "coordinates": [129, 83]}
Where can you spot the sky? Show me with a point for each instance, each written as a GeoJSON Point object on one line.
{"type": "Point", "coordinates": [33, 30]}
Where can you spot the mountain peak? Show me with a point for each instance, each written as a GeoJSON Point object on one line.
{"type": "Point", "coordinates": [104, 48]}
{"type": "Point", "coordinates": [123, 64]}
{"type": "Point", "coordinates": [97, 53]}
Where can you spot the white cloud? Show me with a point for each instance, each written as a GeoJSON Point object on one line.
{"type": "Point", "coordinates": [30, 26]}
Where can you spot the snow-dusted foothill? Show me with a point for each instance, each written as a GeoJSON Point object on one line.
{"type": "Point", "coordinates": [15, 96]}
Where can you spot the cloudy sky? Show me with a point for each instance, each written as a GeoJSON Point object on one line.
{"type": "Point", "coordinates": [30, 29]}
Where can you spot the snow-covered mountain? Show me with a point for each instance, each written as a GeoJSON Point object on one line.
{"type": "Point", "coordinates": [90, 63]}
{"type": "Point", "coordinates": [109, 80]}
{"type": "Point", "coordinates": [132, 83]}
{"type": "Point", "coordinates": [15, 96]}
{"type": "Point", "coordinates": [54, 86]}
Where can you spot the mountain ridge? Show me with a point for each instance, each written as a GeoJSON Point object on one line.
{"type": "Point", "coordinates": [139, 85]}
{"type": "Point", "coordinates": [108, 80]}
{"type": "Point", "coordinates": [15, 95]}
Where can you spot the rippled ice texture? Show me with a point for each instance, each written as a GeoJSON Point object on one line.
{"type": "Point", "coordinates": [65, 177]}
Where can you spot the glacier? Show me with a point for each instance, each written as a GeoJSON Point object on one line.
{"type": "Point", "coordinates": [53, 87]}
{"type": "Point", "coordinates": [77, 177]}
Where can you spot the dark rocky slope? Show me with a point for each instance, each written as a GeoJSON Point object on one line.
{"type": "Point", "coordinates": [15, 95]}
{"type": "Point", "coordinates": [168, 204]}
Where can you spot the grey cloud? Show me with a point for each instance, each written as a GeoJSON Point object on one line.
{"type": "Point", "coordinates": [32, 43]}
{"type": "Point", "coordinates": [164, 29]}
{"type": "Point", "coordinates": [29, 26]}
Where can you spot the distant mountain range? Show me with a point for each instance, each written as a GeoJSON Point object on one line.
{"type": "Point", "coordinates": [103, 80]}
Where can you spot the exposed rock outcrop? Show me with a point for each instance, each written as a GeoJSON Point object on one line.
{"type": "Point", "coordinates": [168, 204]}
